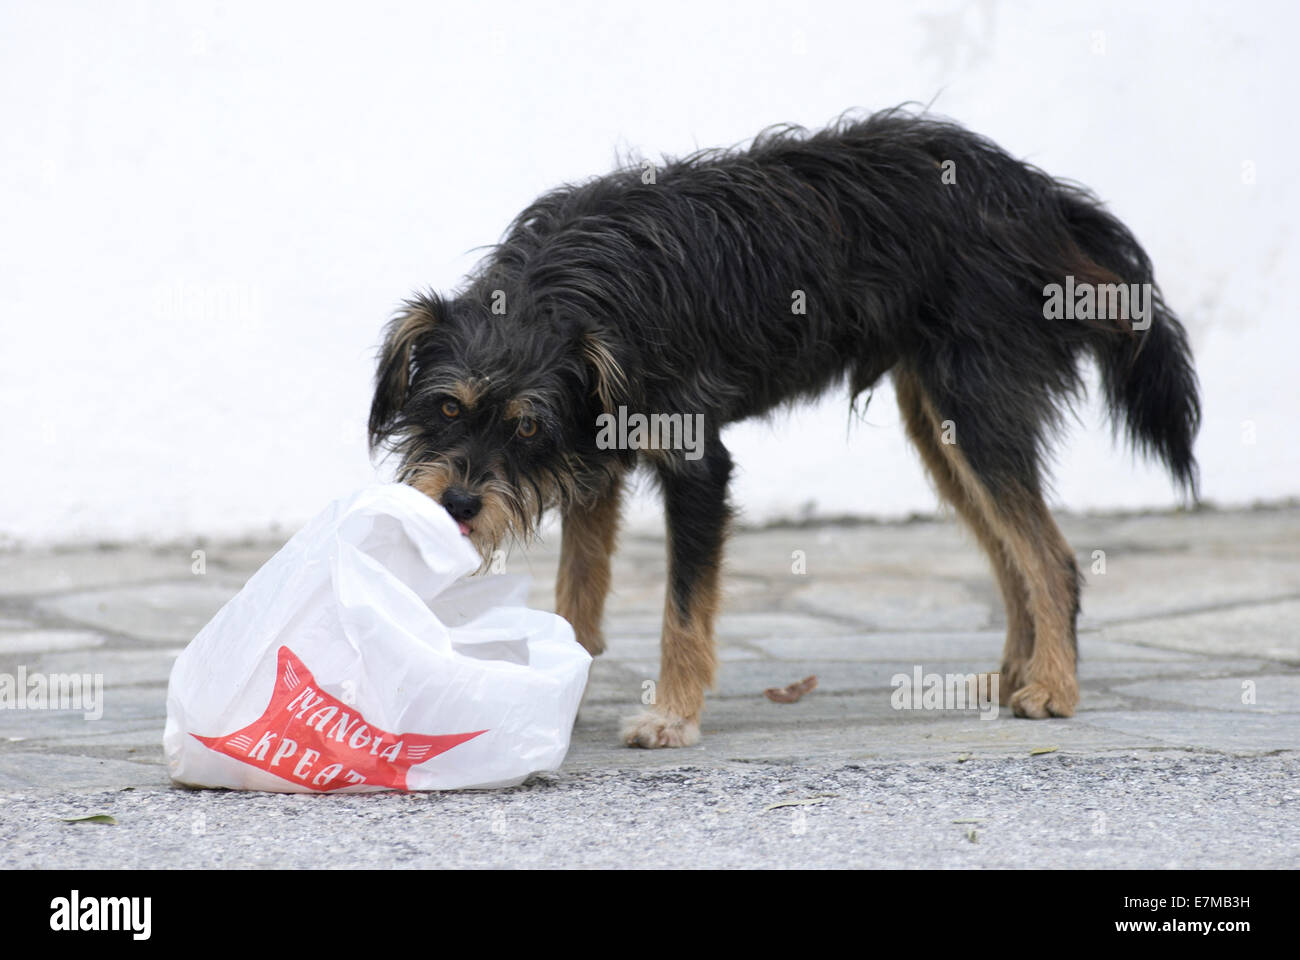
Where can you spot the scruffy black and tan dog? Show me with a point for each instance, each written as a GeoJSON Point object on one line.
{"type": "Point", "coordinates": [730, 282]}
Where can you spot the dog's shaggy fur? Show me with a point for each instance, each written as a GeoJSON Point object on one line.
{"type": "Point", "coordinates": [729, 282]}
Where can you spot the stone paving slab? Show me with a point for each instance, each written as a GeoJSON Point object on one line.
{"type": "Point", "coordinates": [1265, 629]}
{"type": "Point", "coordinates": [1190, 677]}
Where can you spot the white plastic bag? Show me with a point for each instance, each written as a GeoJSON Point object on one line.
{"type": "Point", "coordinates": [359, 659]}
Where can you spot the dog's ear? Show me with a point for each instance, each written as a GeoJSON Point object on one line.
{"type": "Point", "coordinates": [608, 381]}
{"type": "Point", "coordinates": [417, 319]}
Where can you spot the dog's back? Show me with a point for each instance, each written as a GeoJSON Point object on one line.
{"type": "Point", "coordinates": [802, 260]}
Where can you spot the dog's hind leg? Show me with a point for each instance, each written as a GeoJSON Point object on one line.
{"type": "Point", "coordinates": [1046, 685]}
{"type": "Point", "coordinates": [926, 434]}
{"type": "Point", "coordinates": [583, 579]}
{"type": "Point", "coordinates": [1034, 563]}
{"type": "Point", "coordinates": [695, 502]}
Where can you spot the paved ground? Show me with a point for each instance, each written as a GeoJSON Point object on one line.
{"type": "Point", "coordinates": [1183, 753]}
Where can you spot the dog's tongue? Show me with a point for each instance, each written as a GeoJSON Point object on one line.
{"type": "Point", "coordinates": [464, 528]}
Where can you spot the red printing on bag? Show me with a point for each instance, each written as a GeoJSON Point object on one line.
{"type": "Point", "coordinates": [311, 738]}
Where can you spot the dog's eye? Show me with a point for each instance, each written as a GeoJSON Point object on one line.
{"type": "Point", "coordinates": [527, 427]}
{"type": "Point", "coordinates": [450, 409]}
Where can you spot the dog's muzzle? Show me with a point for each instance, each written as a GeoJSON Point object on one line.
{"type": "Point", "coordinates": [462, 505]}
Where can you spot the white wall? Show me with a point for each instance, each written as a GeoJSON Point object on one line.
{"type": "Point", "coordinates": [208, 210]}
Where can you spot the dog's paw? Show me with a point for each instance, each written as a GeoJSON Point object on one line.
{"type": "Point", "coordinates": [652, 729]}
{"type": "Point", "coordinates": [1037, 701]}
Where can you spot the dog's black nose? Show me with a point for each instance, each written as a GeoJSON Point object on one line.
{"type": "Point", "coordinates": [461, 505]}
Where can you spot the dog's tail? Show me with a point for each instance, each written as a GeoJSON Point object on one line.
{"type": "Point", "coordinates": [1146, 363]}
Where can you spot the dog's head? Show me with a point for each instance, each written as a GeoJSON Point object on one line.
{"type": "Point", "coordinates": [494, 416]}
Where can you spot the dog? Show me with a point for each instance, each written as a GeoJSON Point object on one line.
{"type": "Point", "coordinates": [731, 282]}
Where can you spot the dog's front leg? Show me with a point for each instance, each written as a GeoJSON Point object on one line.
{"type": "Point", "coordinates": [583, 580]}
{"type": "Point", "coordinates": [695, 504]}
